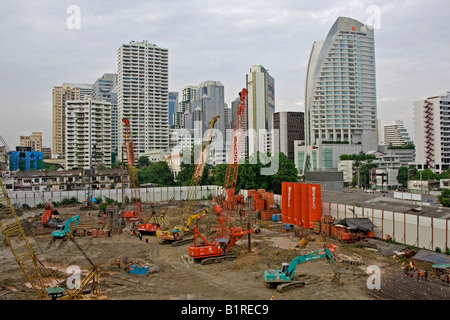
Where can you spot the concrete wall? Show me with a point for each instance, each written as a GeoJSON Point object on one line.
{"type": "Point", "coordinates": [415, 230]}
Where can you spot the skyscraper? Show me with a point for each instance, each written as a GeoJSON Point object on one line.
{"type": "Point", "coordinates": [101, 89]}
{"type": "Point", "coordinates": [260, 109]}
{"type": "Point", "coordinates": [143, 96]}
{"type": "Point", "coordinates": [340, 97]}
{"type": "Point", "coordinates": [291, 127]}
{"type": "Point", "coordinates": [62, 94]}
{"type": "Point", "coordinates": [173, 105]}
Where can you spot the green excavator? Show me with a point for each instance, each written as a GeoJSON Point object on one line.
{"type": "Point", "coordinates": [283, 279]}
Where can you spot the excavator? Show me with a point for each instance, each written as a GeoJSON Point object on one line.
{"type": "Point", "coordinates": [28, 261]}
{"type": "Point", "coordinates": [282, 279]}
{"type": "Point", "coordinates": [50, 218]}
{"type": "Point", "coordinates": [176, 234]}
{"type": "Point", "coordinates": [224, 237]}
{"type": "Point", "coordinates": [63, 231]}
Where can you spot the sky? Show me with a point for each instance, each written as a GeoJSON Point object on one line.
{"type": "Point", "coordinates": [47, 43]}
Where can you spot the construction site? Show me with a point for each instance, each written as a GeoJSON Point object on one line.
{"type": "Point", "coordinates": [236, 246]}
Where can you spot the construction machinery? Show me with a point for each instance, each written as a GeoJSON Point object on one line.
{"type": "Point", "coordinates": [199, 168]}
{"type": "Point", "coordinates": [176, 234]}
{"type": "Point", "coordinates": [283, 279]}
{"type": "Point", "coordinates": [152, 223]}
{"type": "Point", "coordinates": [224, 237]}
{"type": "Point", "coordinates": [29, 263]}
{"type": "Point", "coordinates": [63, 231]}
{"type": "Point", "coordinates": [50, 218]}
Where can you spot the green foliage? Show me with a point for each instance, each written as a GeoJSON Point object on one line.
{"type": "Point", "coordinates": [250, 177]}
{"type": "Point", "coordinates": [143, 161]}
{"type": "Point", "coordinates": [52, 166]}
{"type": "Point", "coordinates": [404, 172]}
{"type": "Point", "coordinates": [107, 202]}
{"type": "Point", "coordinates": [408, 146]}
{"type": "Point", "coordinates": [156, 172]}
{"type": "Point", "coordinates": [444, 198]}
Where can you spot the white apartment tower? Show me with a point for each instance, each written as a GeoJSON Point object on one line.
{"type": "Point", "coordinates": [340, 97]}
{"type": "Point", "coordinates": [260, 109]}
{"type": "Point", "coordinates": [396, 134]}
{"type": "Point", "coordinates": [432, 133]}
{"type": "Point", "coordinates": [142, 89]}
{"type": "Point", "coordinates": [88, 134]}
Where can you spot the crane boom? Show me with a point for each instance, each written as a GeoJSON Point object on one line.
{"type": "Point", "coordinates": [20, 247]}
{"type": "Point", "coordinates": [200, 167]}
{"type": "Point", "coordinates": [132, 169]}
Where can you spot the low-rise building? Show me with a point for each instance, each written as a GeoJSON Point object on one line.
{"type": "Point", "coordinates": [66, 180]}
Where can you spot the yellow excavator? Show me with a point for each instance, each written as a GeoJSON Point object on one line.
{"type": "Point", "coordinates": [175, 235]}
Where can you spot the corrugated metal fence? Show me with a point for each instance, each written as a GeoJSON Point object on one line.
{"type": "Point", "coordinates": [147, 194]}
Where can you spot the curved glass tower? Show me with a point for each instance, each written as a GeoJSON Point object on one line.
{"type": "Point", "coordinates": [340, 97]}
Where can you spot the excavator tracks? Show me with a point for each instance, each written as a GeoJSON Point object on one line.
{"type": "Point", "coordinates": [220, 259]}
{"type": "Point", "coordinates": [290, 286]}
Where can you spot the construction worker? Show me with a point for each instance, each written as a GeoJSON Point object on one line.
{"type": "Point", "coordinates": [118, 262]}
{"type": "Point", "coordinates": [272, 298]}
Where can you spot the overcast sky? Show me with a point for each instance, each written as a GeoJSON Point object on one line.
{"type": "Point", "coordinates": [213, 40]}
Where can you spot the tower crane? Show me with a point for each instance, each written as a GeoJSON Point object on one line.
{"type": "Point", "coordinates": [224, 237]}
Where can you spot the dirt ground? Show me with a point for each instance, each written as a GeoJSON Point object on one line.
{"type": "Point", "coordinates": [171, 277]}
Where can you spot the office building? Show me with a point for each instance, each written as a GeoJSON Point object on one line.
{"type": "Point", "coordinates": [143, 96]}
{"type": "Point", "coordinates": [62, 94]}
{"type": "Point", "coordinates": [173, 107]}
{"type": "Point", "coordinates": [88, 136]}
{"type": "Point", "coordinates": [260, 109]}
{"type": "Point", "coordinates": [291, 127]}
{"type": "Point", "coordinates": [432, 133]}
{"type": "Point", "coordinates": [101, 89]}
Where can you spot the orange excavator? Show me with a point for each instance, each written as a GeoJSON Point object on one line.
{"type": "Point", "coordinates": [224, 237]}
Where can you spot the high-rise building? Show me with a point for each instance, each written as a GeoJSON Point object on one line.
{"type": "Point", "coordinates": [143, 96]}
{"type": "Point", "coordinates": [173, 106]}
{"type": "Point", "coordinates": [396, 134]}
{"type": "Point", "coordinates": [62, 94]}
{"type": "Point", "coordinates": [114, 121]}
{"type": "Point", "coordinates": [101, 89]}
{"type": "Point", "coordinates": [432, 133]}
{"type": "Point", "coordinates": [88, 136]}
{"type": "Point", "coordinates": [340, 97]}
{"type": "Point", "coordinates": [291, 127]}
{"type": "Point", "coordinates": [34, 141]}
{"type": "Point", "coordinates": [260, 109]}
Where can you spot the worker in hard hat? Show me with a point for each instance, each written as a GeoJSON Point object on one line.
{"type": "Point", "coordinates": [118, 262]}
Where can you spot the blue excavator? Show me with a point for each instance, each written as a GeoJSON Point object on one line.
{"type": "Point", "coordinates": [283, 279]}
{"type": "Point", "coordinates": [63, 230]}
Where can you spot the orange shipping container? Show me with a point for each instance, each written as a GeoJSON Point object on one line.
{"type": "Point", "coordinates": [305, 205]}
{"type": "Point", "coordinates": [297, 204]}
{"type": "Point", "coordinates": [260, 204]}
{"type": "Point", "coordinates": [268, 196]}
{"type": "Point", "coordinates": [315, 203]}
{"type": "Point", "coordinates": [284, 201]}
{"type": "Point", "coordinates": [291, 202]}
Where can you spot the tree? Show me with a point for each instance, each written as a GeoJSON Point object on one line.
{"type": "Point", "coordinates": [404, 173]}
{"type": "Point", "coordinates": [142, 162]}
{"type": "Point", "coordinates": [250, 177]}
{"type": "Point", "coordinates": [444, 198]}
{"type": "Point", "coordinates": [156, 172]}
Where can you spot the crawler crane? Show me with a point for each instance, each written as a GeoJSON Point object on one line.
{"type": "Point", "coordinates": [217, 249]}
